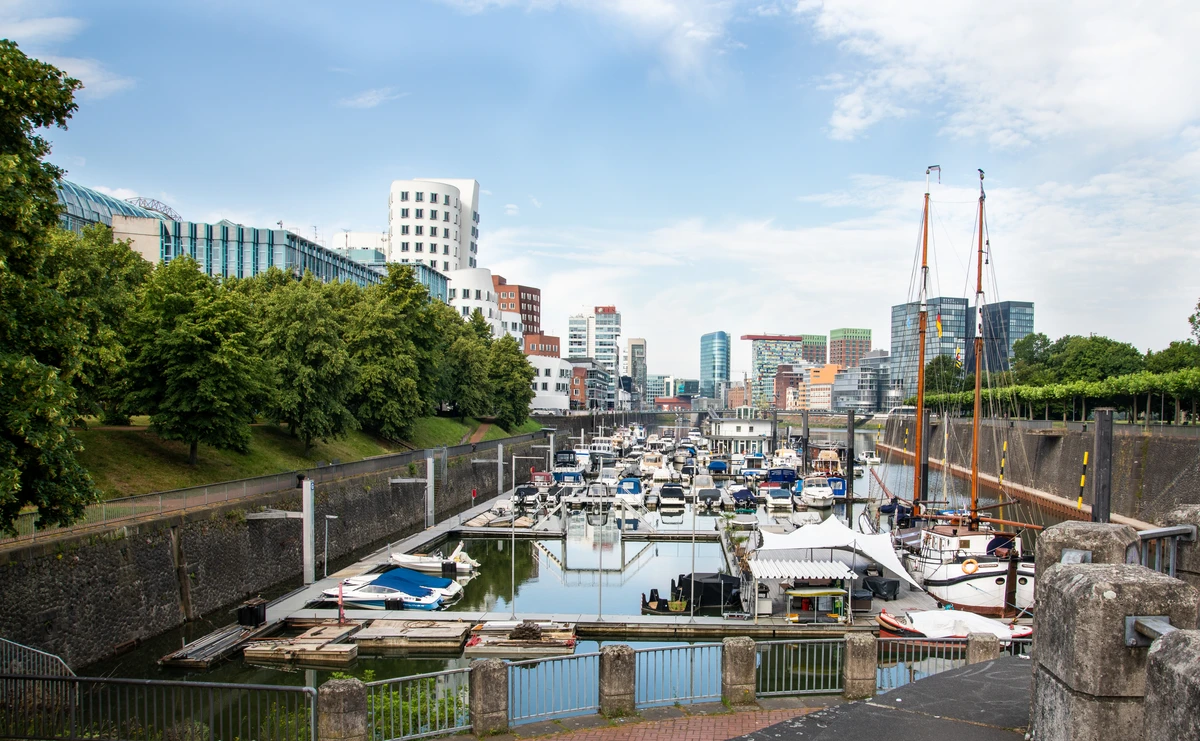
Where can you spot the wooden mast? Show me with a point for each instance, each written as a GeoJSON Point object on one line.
{"type": "Point", "coordinates": [922, 324]}
{"type": "Point", "coordinates": [979, 363]}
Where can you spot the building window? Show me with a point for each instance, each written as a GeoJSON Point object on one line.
{"type": "Point", "coordinates": [420, 197]}
{"type": "Point", "coordinates": [404, 228]}
{"type": "Point", "coordinates": [478, 295]}
{"type": "Point", "coordinates": [433, 197]}
{"type": "Point", "coordinates": [445, 265]}
{"type": "Point", "coordinates": [404, 195]}
{"type": "Point", "coordinates": [404, 213]}
{"type": "Point", "coordinates": [466, 311]}
{"type": "Point", "coordinates": [433, 214]}
{"type": "Point", "coordinates": [404, 246]}
{"type": "Point", "coordinates": [445, 249]}
{"type": "Point", "coordinates": [420, 230]}
{"type": "Point", "coordinates": [446, 200]}
{"type": "Point", "coordinates": [545, 387]}
{"type": "Point", "coordinates": [446, 216]}
{"type": "Point", "coordinates": [420, 247]}
{"type": "Point", "coordinates": [453, 293]}
{"type": "Point", "coordinates": [446, 235]}
{"type": "Point", "coordinates": [420, 212]}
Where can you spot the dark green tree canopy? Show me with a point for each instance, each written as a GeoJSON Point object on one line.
{"type": "Point", "coordinates": [511, 377]}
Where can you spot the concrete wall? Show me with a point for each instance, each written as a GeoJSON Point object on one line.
{"type": "Point", "coordinates": [1152, 474]}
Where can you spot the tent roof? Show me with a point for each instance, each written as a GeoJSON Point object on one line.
{"type": "Point", "coordinates": [831, 533]}
{"type": "Point", "coordinates": [771, 569]}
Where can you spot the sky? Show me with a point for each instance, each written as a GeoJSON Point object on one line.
{"type": "Point", "coordinates": [753, 167]}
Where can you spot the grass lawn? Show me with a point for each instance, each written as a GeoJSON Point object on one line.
{"type": "Point", "coordinates": [496, 432]}
{"type": "Point", "coordinates": [434, 432]}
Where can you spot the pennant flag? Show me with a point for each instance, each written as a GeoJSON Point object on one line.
{"type": "Point", "coordinates": [939, 324]}
{"type": "Point", "coordinates": [958, 362]}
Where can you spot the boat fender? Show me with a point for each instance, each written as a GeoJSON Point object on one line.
{"type": "Point", "coordinates": [970, 566]}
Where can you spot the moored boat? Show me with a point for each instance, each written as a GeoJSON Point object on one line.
{"type": "Point", "coordinates": [936, 624]}
{"type": "Point", "coordinates": [456, 562]}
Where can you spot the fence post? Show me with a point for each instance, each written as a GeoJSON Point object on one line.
{"type": "Point", "coordinates": [618, 677]}
{"type": "Point", "coordinates": [342, 711]}
{"type": "Point", "coordinates": [858, 666]}
{"type": "Point", "coordinates": [738, 661]}
{"type": "Point", "coordinates": [488, 697]}
{"type": "Point", "coordinates": [982, 647]}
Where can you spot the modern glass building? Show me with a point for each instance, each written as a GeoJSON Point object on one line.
{"type": "Point", "coordinates": [656, 387]}
{"type": "Point", "coordinates": [1003, 323]}
{"type": "Point", "coordinates": [635, 353]}
{"type": "Point", "coordinates": [84, 206]}
{"type": "Point", "coordinates": [953, 313]}
{"type": "Point", "coordinates": [714, 363]}
{"type": "Point", "coordinates": [598, 336]}
{"type": "Point", "coordinates": [769, 351]}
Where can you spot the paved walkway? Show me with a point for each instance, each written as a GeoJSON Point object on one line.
{"type": "Point", "coordinates": [479, 433]}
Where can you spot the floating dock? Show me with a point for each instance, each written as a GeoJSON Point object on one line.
{"type": "Point", "coordinates": [384, 637]}
{"type": "Point", "coordinates": [320, 646]}
{"type": "Point", "coordinates": [217, 646]}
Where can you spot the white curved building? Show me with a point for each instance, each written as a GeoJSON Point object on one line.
{"type": "Point", "coordinates": [434, 222]}
{"type": "Point", "coordinates": [471, 289]}
{"type": "Point", "coordinates": [551, 384]}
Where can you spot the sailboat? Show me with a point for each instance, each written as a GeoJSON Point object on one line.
{"type": "Point", "coordinates": [961, 559]}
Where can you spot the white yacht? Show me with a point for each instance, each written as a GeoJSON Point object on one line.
{"type": "Point", "coordinates": [815, 491]}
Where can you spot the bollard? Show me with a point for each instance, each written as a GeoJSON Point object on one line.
{"type": "Point", "coordinates": [489, 697]}
{"type": "Point", "coordinates": [1172, 704]}
{"type": "Point", "coordinates": [342, 711]}
{"type": "Point", "coordinates": [858, 666]}
{"type": "Point", "coordinates": [1088, 684]}
{"type": "Point", "coordinates": [738, 677]}
{"type": "Point", "coordinates": [617, 681]}
{"type": "Point", "coordinates": [982, 647]}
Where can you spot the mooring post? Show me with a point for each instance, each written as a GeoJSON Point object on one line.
{"type": "Point", "coordinates": [499, 469]}
{"type": "Point", "coordinates": [804, 438]}
{"type": "Point", "coordinates": [618, 666]}
{"type": "Point", "coordinates": [488, 708]}
{"type": "Point", "coordinates": [308, 530]}
{"type": "Point", "coordinates": [1102, 479]}
{"type": "Point", "coordinates": [430, 487]}
{"type": "Point", "coordinates": [849, 453]}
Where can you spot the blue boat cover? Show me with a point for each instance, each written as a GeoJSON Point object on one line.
{"type": "Point", "coordinates": [408, 580]}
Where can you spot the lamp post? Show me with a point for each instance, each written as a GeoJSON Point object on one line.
{"type": "Point", "coordinates": [327, 519]}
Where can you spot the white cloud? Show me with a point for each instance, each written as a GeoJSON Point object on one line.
{"type": "Point", "coordinates": [1018, 72]}
{"type": "Point", "coordinates": [512, 209]}
{"type": "Point", "coordinates": [536, 203]}
{"type": "Point", "coordinates": [121, 193]}
{"type": "Point", "coordinates": [485, 191]}
{"type": "Point", "coordinates": [32, 31]}
{"type": "Point", "coordinates": [371, 98]}
{"type": "Point", "coordinates": [98, 81]}
{"type": "Point", "coordinates": [39, 34]}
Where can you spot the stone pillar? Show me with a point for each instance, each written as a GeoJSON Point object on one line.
{"type": "Point", "coordinates": [1187, 566]}
{"type": "Point", "coordinates": [982, 647]}
{"type": "Point", "coordinates": [858, 666]}
{"type": "Point", "coordinates": [738, 671]}
{"type": "Point", "coordinates": [1107, 542]}
{"type": "Point", "coordinates": [342, 711]}
{"type": "Point", "coordinates": [1172, 706]}
{"type": "Point", "coordinates": [1087, 683]}
{"type": "Point", "coordinates": [489, 697]}
{"type": "Point", "coordinates": [617, 681]}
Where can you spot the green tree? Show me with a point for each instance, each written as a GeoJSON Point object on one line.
{"type": "Point", "coordinates": [1176, 356]}
{"type": "Point", "coordinates": [511, 377]}
{"type": "Point", "coordinates": [1095, 358]}
{"type": "Point", "coordinates": [312, 372]}
{"type": "Point", "coordinates": [942, 375]}
{"type": "Point", "coordinates": [1031, 359]}
{"type": "Point", "coordinates": [386, 397]}
{"type": "Point", "coordinates": [467, 368]}
{"type": "Point", "coordinates": [480, 327]}
{"type": "Point", "coordinates": [194, 367]}
{"type": "Point", "coordinates": [40, 339]}
{"type": "Point", "coordinates": [1194, 320]}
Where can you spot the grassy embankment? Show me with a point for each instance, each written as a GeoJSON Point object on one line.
{"type": "Point", "coordinates": [133, 460]}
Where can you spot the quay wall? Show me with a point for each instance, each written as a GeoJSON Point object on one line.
{"type": "Point", "coordinates": [1152, 473]}
{"type": "Point", "coordinates": [91, 595]}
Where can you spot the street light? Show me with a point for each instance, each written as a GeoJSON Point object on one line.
{"type": "Point", "coordinates": [327, 519]}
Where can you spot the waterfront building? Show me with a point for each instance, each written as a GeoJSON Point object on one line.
{"type": "Point", "coordinates": [815, 349]}
{"type": "Point", "coordinates": [551, 383]}
{"type": "Point", "coordinates": [83, 206]}
{"type": "Point", "coordinates": [769, 351]}
{"type": "Point", "coordinates": [819, 382]}
{"type": "Point", "coordinates": [742, 433]}
{"type": "Point", "coordinates": [597, 336]}
{"type": "Point", "coordinates": [471, 289]}
{"type": "Point", "coordinates": [685, 387]}
{"type": "Point", "coordinates": [349, 240]}
{"type": "Point", "coordinates": [656, 386]}
{"type": "Point", "coordinates": [1003, 324]}
{"type": "Point", "coordinates": [524, 300]}
{"type": "Point", "coordinates": [545, 345]}
{"type": "Point", "coordinates": [590, 384]}
{"type": "Point", "coordinates": [856, 389]}
{"type": "Point", "coordinates": [739, 395]}
{"type": "Point", "coordinates": [789, 376]}
{"type": "Point", "coordinates": [714, 362]}
{"type": "Point", "coordinates": [889, 389]}
{"type": "Point", "coordinates": [847, 346]}
{"type": "Point", "coordinates": [434, 221]}
{"type": "Point", "coordinates": [951, 341]}
{"type": "Point", "coordinates": [635, 367]}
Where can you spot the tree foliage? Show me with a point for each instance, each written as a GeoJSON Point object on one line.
{"type": "Point", "coordinates": [511, 377]}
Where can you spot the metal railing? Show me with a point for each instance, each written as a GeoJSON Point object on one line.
{"type": "Point", "coordinates": [559, 687]}
{"type": "Point", "coordinates": [113, 511]}
{"type": "Point", "coordinates": [435, 704]}
{"type": "Point", "coordinates": [1017, 647]}
{"type": "Point", "coordinates": [800, 667]}
{"type": "Point", "coordinates": [677, 674]}
{"type": "Point", "coordinates": [16, 658]}
{"type": "Point", "coordinates": [39, 707]}
{"type": "Point", "coordinates": [1160, 546]}
{"type": "Point", "coordinates": [905, 660]}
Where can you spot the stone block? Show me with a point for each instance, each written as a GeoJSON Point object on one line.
{"type": "Point", "coordinates": [1172, 705]}
{"type": "Point", "coordinates": [489, 697]}
{"type": "Point", "coordinates": [1187, 564]}
{"type": "Point", "coordinates": [617, 681]}
{"type": "Point", "coordinates": [1108, 543]}
{"type": "Point", "coordinates": [738, 670]}
{"type": "Point", "coordinates": [982, 647]}
{"type": "Point", "coordinates": [859, 666]}
{"type": "Point", "coordinates": [1059, 713]}
{"type": "Point", "coordinates": [1080, 623]}
{"type": "Point", "coordinates": [342, 711]}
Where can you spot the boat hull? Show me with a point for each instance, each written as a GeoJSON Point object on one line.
{"type": "Point", "coordinates": [984, 591]}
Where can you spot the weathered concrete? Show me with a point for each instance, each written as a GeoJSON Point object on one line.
{"type": "Point", "coordinates": [617, 681]}
{"type": "Point", "coordinates": [738, 665]}
{"type": "Point", "coordinates": [858, 666]}
{"type": "Point", "coordinates": [1187, 565]}
{"type": "Point", "coordinates": [1108, 543]}
{"type": "Point", "coordinates": [1172, 705]}
{"type": "Point", "coordinates": [982, 647]}
{"type": "Point", "coordinates": [1087, 682]}
{"type": "Point", "coordinates": [489, 697]}
{"type": "Point", "coordinates": [342, 711]}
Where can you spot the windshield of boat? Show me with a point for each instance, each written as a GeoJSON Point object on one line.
{"type": "Point", "coordinates": [816, 481]}
{"type": "Point", "coordinates": [608, 473]}
{"type": "Point", "coordinates": [785, 475]}
{"type": "Point", "coordinates": [709, 493]}
{"type": "Point", "coordinates": [673, 490]}
{"type": "Point", "coordinates": [564, 457]}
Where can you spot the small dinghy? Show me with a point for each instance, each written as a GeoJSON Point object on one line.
{"type": "Point", "coordinates": [935, 624]}
{"type": "Point", "coordinates": [456, 562]}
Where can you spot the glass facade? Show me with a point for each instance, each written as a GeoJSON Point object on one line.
{"type": "Point", "coordinates": [83, 206]}
{"type": "Point", "coordinates": [714, 363]}
{"type": "Point", "coordinates": [769, 352]}
{"type": "Point", "coordinates": [905, 332]}
{"type": "Point", "coordinates": [598, 336]}
{"type": "Point", "coordinates": [1004, 323]}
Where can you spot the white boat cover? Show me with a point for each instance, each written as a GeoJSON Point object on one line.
{"type": "Point", "coordinates": [763, 568]}
{"type": "Point", "coordinates": [956, 623]}
{"type": "Point", "coordinates": [832, 534]}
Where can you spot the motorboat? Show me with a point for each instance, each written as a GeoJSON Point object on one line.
{"type": "Point", "coordinates": [947, 624]}
{"type": "Point", "coordinates": [827, 462]}
{"type": "Point", "coordinates": [869, 458]}
{"type": "Point", "coordinates": [629, 491]}
{"type": "Point", "coordinates": [650, 463]}
{"type": "Point", "coordinates": [386, 592]}
{"type": "Point", "coordinates": [526, 495]}
{"type": "Point", "coordinates": [838, 485]}
{"type": "Point", "coordinates": [718, 466]}
{"type": "Point", "coordinates": [449, 590]}
{"type": "Point", "coordinates": [816, 492]}
{"type": "Point", "coordinates": [565, 462]}
{"type": "Point", "coordinates": [671, 495]}
{"type": "Point", "coordinates": [978, 570]}
{"type": "Point", "coordinates": [544, 481]}
{"type": "Point", "coordinates": [736, 462]}
{"type": "Point", "coordinates": [585, 458]}
{"type": "Point", "coordinates": [708, 497]}
{"type": "Point", "coordinates": [456, 562]}
{"type": "Point", "coordinates": [695, 591]}
{"type": "Point", "coordinates": [743, 499]}
{"type": "Point", "coordinates": [702, 481]}
{"type": "Point", "coordinates": [608, 476]}
{"type": "Point", "coordinates": [777, 488]}
{"type": "Point", "coordinates": [665, 475]}
{"type": "Point", "coordinates": [786, 458]}
{"type": "Point", "coordinates": [754, 462]}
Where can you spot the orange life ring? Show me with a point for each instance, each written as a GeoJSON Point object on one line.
{"type": "Point", "coordinates": [970, 566]}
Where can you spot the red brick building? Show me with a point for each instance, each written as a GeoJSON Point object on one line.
{"type": "Point", "coordinates": [847, 346]}
{"type": "Point", "coordinates": [673, 404]}
{"type": "Point", "coordinates": [542, 344]}
{"type": "Point", "coordinates": [526, 300]}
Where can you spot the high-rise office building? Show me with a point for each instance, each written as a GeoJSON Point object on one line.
{"type": "Point", "coordinates": [598, 336]}
{"type": "Point", "coordinates": [524, 300]}
{"type": "Point", "coordinates": [951, 313]}
{"type": "Point", "coordinates": [1004, 323]}
{"type": "Point", "coordinates": [635, 362]}
{"type": "Point", "coordinates": [435, 222]}
{"type": "Point", "coordinates": [656, 387]}
{"type": "Point", "coordinates": [815, 349]}
{"type": "Point", "coordinates": [848, 345]}
{"type": "Point", "coordinates": [769, 351]}
{"type": "Point", "coordinates": [714, 363]}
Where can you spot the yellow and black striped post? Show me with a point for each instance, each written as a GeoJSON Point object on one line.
{"type": "Point", "coordinates": [1003, 460]}
{"type": "Point", "coordinates": [905, 438]}
{"type": "Point", "coordinates": [1082, 480]}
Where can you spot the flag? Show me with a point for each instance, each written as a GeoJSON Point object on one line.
{"type": "Point", "coordinates": [958, 357]}
{"type": "Point", "coordinates": [939, 324]}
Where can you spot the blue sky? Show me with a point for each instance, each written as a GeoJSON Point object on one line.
{"type": "Point", "coordinates": [703, 164]}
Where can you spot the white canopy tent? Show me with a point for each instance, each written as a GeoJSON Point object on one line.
{"type": "Point", "coordinates": [832, 536]}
